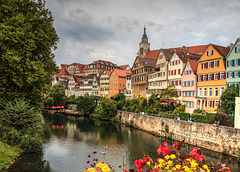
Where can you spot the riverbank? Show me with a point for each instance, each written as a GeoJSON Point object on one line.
{"type": "Point", "coordinates": [222, 139]}
{"type": "Point", "coordinates": [8, 155]}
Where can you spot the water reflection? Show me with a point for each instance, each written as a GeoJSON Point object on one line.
{"type": "Point", "coordinates": [68, 140]}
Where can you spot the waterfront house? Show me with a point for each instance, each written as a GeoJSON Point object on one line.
{"type": "Point", "coordinates": [233, 64]}
{"type": "Point", "coordinates": [117, 81]}
{"type": "Point", "coordinates": [104, 83]}
{"type": "Point", "coordinates": [189, 84]}
{"type": "Point", "coordinates": [98, 66]}
{"type": "Point", "coordinates": [211, 76]}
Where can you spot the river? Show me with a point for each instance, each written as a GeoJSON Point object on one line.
{"type": "Point", "coordinates": [68, 141]}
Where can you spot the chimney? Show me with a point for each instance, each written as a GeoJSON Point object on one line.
{"type": "Point", "coordinates": [231, 46]}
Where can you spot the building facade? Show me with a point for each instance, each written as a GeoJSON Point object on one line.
{"type": "Point", "coordinates": [104, 83]}
{"type": "Point", "coordinates": [233, 65]}
{"type": "Point", "coordinates": [211, 76]}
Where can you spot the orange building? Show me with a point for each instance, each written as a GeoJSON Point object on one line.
{"type": "Point", "coordinates": [211, 76]}
{"type": "Point", "coordinates": [117, 81]}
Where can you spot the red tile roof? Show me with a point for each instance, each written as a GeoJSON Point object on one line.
{"type": "Point", "coordinates": [167, 53]}
{"type": "Point", "coordinates": [147, 62]}
{"type": "Point", "coordinates": [194, 64]}
{"type": "Point", "coordinates": [123, 67]}
{"type": "Point", "coordinates": [193, 49]}
{"type": "Point", "coordinates": [153, 54]}
{"type": "Point", "coordinates": [223, 51]}
{"type": "Point", "coordinates": [184, 57]}
{"type": "Point", "coordinates": [122, 73]}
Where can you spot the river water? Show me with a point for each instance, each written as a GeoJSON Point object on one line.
{"type": "Point", "coordinates": [68, 141]}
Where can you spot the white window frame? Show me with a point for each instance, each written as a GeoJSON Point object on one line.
{"type": "Point", "coordinates": [208, 103]}
{"type": "Point", "coordinates": [222, 75]}
{"type": "Point", "coordinates": [216, 90]}
{"type": "Point", "coordinates": [204, 91]}
{"type": "Point", "coordinates": [204, 65]}
{"type": "Point", "coordinates": [200, 92]}
{"type": "Point", "coordinates": [215, 76]}
{"type": "Point", "coordinates": [222, 89]}
{"type": "Point", "coordinates": [215, 63]}
{"type": "Point", "coordinates": [210, 92]}
{"type": "Point", "coordinates": [216, 103]}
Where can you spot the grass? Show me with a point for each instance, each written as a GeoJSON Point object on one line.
{"type": "Point", "coordinates": [7, 155]}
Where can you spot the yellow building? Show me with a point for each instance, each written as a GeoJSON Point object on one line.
{"type": "Point", "coordinates": [104, 83]}
{"type": "Point", "coordinates": [211, 77]}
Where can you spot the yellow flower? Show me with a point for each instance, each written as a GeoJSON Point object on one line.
{"type": "Point", "coordinates": [103, 167]}
{"type": "Point", "coordinates": [169, 162]}
{"type": "Point", "coordinates": [178, 167]}
{"type": "Point", "coordinates": [205, 167]}
{"type": "Point", "coordinates": [167, 157]}
{"type": "Point", "coordinates": [173, 156]}
{"type": "Point", "coordinates": [148, 163]}
{"type": "Point", "coordinates": [90, 170]}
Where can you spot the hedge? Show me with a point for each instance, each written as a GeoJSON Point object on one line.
{"type": "Point", "coordinates": [184, 116]}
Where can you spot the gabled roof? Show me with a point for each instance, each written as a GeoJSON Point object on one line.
{"type": "Point", "coordinates": [200, 49]}
{"type": "Point", "coordinates": [77, 79]}
{"type": "Point", "coordinates": [223, 51]}
{"type": "Point", "coordinates": [194, 64]}
{"type": "Point", "coordinates": [63, 66]}
{"type": "Point", "coordinates": [124, 67]}
{"type": "Point", "coordinates": [184, 57]}
{"type": "Point", "coordinates": [122, 73]}
{"type": "Point", "coordinates": [167, 53]}
{"type": "Point", "coordinates": [153, 54]}
{"type": "Point", "coordinates": [147, 62]}
{"type": "Point", "coordinates": [238, 40]}
{"type": "Point", "coordinates": [108, 63]}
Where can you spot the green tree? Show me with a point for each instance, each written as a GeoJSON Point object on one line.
{"type": "Point", "coordinates": [21, 126]}
{"type": "Point", "coordinates": [85, 104]}
{"type": "Point", "coordinates": [228, 100]}
{"type": "Point", "coordinates": [55, 96]}
{"type": "Point", "coordinates": [27, 39]}
{"type": "Point", "coordinates": [107, 108]}
{"type": "Point", "coordinates": [169, 93]}
{"type": "Point", "coordinates": [121, 100]}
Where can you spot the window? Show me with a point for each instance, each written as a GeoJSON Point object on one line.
{"type": "Point", "coordinates": [215, 76]}
{"type": "Point", "coordinates": [120, 85]}
{"type": "Point", "coordinates": [204, 77]}
{"type": "Point", "coordinates": [216, 91]}
{"type": "Point", "coordinates": [209, 52]}
{"type": "Point", "coordinates": [209, 64]}
{"type": "Point", "coordinates": [115, 90]}
{"type": "Point", "coordinates": [216, 103]}
{"type": "Point", "coordinates": [205, 92]}
{"type": "Point", "coordinates": [210, 92]}
{"type": "Point", "coordinates": [230, 74]}
{"type": "Point", "coordinates": [222, 90]}
{"type": "Point", "coordinates": [208, 103]}
{"type": "Point", "coordinates": [216, 63]}
{"type": "Point", "coordinates": [222, 76]}
{"type": "Point", "coordinates": [110, 90]}
{"type": "Point", "coordinates": [209, 77]}
{"type": "Point", "coordinates": [237, 48]}
{"type": "Point", "coordinates": [199, 77]}
{"type": "Point", "coordinates": [204, 65]}
{"type": "Point", "coordinates": [200, 92]}
{"type": "Point", "coordinates": [123, 85]}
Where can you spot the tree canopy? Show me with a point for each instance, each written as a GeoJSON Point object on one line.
{"type": "Point", "coordinates": [228, 100]}
{"type": "Point", "coordinates": [27, 39]}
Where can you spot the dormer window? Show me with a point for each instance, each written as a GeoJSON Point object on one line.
{"type": "Point", "coordinates": [209, 52]}
{"type": "Point", "coordinates": [237, 48]}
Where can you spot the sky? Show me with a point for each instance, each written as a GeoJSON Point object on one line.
{"type": "Point", "coordinates": [111, 30]}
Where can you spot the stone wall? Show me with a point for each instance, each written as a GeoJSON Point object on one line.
{"type": "Point", "coordinates": [221, 139]}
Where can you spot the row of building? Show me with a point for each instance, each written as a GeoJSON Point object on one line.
{"type": "Point", "coordinates": [200, 74]}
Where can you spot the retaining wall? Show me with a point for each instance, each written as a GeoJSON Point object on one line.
{"type": "Point", "coordinates": [221, 139]}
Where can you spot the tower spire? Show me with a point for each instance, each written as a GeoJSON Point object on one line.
{"type": "Point", "coordinates": [144, 33]}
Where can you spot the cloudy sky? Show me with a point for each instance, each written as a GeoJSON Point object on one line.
{"type": "Point", "coordinates": [112, 29]}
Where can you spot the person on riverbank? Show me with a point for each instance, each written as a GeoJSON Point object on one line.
{"type": "Point", "coordinates": [218, 124]}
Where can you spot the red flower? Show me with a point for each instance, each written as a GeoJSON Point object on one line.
{"type": "Point", "coordinates": [125, 170]}
{"type": "Point", "coordinates": [140, 164]}
{"type": "Point", "coordinates": [175, 145]}
{"type": "Point", "coordinates": [163, 150]}
{"type": "Point", "coordinates": [199, 157]}
{"type": "Point", "coordinates": [194, 151]}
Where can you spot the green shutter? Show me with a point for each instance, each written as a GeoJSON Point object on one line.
{"type": "Point", "coordinates": [228, 63]}
{"type": "Point", "coordinates": [239, 74]}
{"type": "Point", "coordinates": [235, 49]}
{"type": "Point", "coordinates": [233, 74]}
{"type": "Point", "coordinates": [233, 62]}
{"type": "Point", "coordinates": [227, 85]}
{"type": "Point", "coordinates": [227, 75]}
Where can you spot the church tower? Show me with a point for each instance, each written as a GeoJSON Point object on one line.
{"type": "Point", "coordinates": [144, 46]}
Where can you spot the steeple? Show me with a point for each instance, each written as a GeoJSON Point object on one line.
{"type": "Point", "coordinates": [144, 46]}
{"type": "Point", "coordinates": [144, 33]}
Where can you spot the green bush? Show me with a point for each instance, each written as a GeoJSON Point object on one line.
{"type": "Point", "coordinates": [184, 116]}
{"type": "Point", "coordinates": [200, 117]}
{"type": "Point", "coordinates": [179, 109]}
{"type": "Point", "coordinates": [224, 119]}
{"type": "Point", "coordinates": [85, 104]}
{"type": "Point", "coordinates": [107, 108]}
{"type": "Point", "coordinates": [22, 126]}
{"type": "Point", "coordinates": [210, 118]}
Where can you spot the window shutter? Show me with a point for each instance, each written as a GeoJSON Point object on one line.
{"type": "Point", "coordinates": [238, 62]}
{"type": "Point", "coordinates": [218, 76]}
{"type": "Point", "coordinates": [224, 76]}
{"type": "Point", "coordinates": [197, 77]}
{"type": "Point", "coordinates": [172, 82]}
{"type": "Point", "coordinates": [233, 62]}
{"type": "Point", "coordinates": [213, 76]}
{"type": "Point", "coordinates": [233, 74]}
{"type": "Point", "coordinates": [227, 63]}
{"type": "Point", "coordinates": [169, 73]}
{"type": "Point", "coordinates": [207, 65]}
{"type": "Point", "coordinates": [238, 73]}
{"type": "Point", "coordinates": [207, 53]}
{"type": "Point", "coordinates": [228, 75]}
{"type": "Point", "coordinates": [176, 83]}
{"type": "Point", "coordinates": [212, 63]}
{"type": "Point", "coordinates": [207, 77]}
{"type": "Point", "coordinates": [175, 72]}
{"type": "Point", "coordinates": [218, 63]}
{"type": "Point", "coordinates": [227, 85]}
{"type": "Point", "coordinates": [180, 82]}
{"type": "Point", "coordinates": [169, 82]}
{"type": "Point", "coordinates": [205, 103]}
{"type": "Point", "coordinates": [219, 102]}
{"type": "Point", "coordinates": [180, 93]}
{"type": "Point", "coordinates": [213, 103]}
{"type": "Point", "coordinates": [202, 65]}
{"type": "Point", "coordinates": [210, 103]}
{"type": "Point", "coordinates": [235, 49]}
{"type": "Point", "coordinates": [212, 52]}
{"type": "Point", "coordinates": [178, 71]}
{"type": "Point", "coordinates": [202, 77]}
